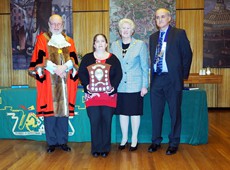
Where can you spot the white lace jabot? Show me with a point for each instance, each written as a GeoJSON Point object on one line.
{"type": "Point", "coordinates": [58, 41]}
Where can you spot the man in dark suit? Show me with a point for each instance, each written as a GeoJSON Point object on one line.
{"type": "Point", "coordinates": [171, 58]}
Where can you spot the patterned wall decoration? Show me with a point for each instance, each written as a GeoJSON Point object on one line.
{"type": "Point", "coordinates": [216, 34]}
{"type": "Point", "coordinates": [142, 12]}
{"type": "Point", "coordinates": [28, 19]}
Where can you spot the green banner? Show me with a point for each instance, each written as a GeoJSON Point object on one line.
{"type": "Point", "coordinates": [18, 118]}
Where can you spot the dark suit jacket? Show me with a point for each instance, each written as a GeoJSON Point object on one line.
{"type": "Point", "coordinates": [178, 55]}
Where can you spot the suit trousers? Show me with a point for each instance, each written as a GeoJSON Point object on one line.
{"type": "Point", "coordinates": [100, 121]}
{"type": "Point", "coordinates": [56, 129]}
{"type": "Point", "coordinates": [162, 90]}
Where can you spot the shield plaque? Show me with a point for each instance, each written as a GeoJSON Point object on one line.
{"type": "Point", "coordinates": [99, 78]}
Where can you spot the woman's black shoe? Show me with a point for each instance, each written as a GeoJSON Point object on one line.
{"type": "Point", "coordinates": [133, 148]}
{"type": "Point", "coordinates": [121, 147]}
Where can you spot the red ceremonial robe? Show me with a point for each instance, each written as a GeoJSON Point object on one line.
{"type": "Point", "coordinates": [48, 96]}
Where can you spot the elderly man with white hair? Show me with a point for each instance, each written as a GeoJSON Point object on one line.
{"type": "Point", "coordinates": [54, 65]}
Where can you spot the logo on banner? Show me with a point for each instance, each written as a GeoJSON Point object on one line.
{"type": "Point", "coordinates": [25, 122]}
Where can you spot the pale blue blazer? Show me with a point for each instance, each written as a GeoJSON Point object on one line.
{"type": "Point", "coordinates": [135, 66]}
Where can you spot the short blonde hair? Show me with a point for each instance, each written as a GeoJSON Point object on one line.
{"type": "Point", "coordinates": [126, 20]}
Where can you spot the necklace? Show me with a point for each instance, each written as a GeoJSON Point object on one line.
{"type": "Point", "coordinates": [125, 50]}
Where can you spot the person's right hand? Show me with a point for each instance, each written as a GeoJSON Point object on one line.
{"type": "Point", "coordinates": [60, 70]}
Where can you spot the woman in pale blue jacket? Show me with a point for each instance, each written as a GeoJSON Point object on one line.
{"type": "Point", "coordinates": [133, 56]}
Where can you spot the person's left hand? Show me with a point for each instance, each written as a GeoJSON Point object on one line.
{"type": "Point", "coordinates": [60, 70]}
{"type": "Point", "coordinates": [111, 92]}
{"type": "Point", "coordinates": [144, 91]}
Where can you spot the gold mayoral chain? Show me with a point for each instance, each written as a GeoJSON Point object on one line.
{"type": "Point", "coordinates": [61, 55]}
{"type": "Point", "coordinates": [59, 51]}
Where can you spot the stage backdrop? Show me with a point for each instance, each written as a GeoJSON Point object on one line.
{"type": "Point", "coordinates": [217, 34]}
{"type": "Point", "coordinates": [28, 19]}
{"type": "Point", "coordinates": [142, 12]}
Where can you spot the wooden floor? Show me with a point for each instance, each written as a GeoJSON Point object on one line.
{"type": "Point", "coordinates": [25, 154]}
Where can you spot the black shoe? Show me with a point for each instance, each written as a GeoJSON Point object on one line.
{"type": "Point", "coordinates": [51, 148]}
{"type": "Point", "coordinates": [171, 150]}
{"type": "Point", "coordinates": [65, 147]}
{"type": "Point", "coordinates": [121, 147]}
{"type": "Point", "coordinates": [104, 154]}
{"type": "Point", "coordinates": [153, 147]}
{"type": "Point", "coordinates": [133, 148]}
{"type": "Point", "coordinates": [95, 154]}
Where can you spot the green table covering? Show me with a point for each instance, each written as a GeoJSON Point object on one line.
{"type": "Point", "coordinates": [18, 118]}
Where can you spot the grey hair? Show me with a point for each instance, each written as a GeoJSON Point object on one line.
{"type": "Point", "coordinates": [165, 10]}
{"type": "Point", "coordinates": [126, 20]}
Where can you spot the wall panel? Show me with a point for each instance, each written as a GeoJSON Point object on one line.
{"type": "Point", "coordinates": [194, 32]}
{"type": "Point", "coordinates": [5, 6]}
{"type": "Point", "coordinates": [189, 4]}
{"type": "Point", "coordinates": [89, 18]}
{"type": "Point", "coordinates": [223, 91]}
{"type": "Point", "coordinates": [87, 24]}
{"type": "Point", "coordinates": [5, 51]}
{"type": "Point", "coordinates": [90, 5]}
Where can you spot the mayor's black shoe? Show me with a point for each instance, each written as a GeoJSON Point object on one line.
{"type": "Point", "coordinates": [95, 154]}
{"type": "Point", "coordinates": [171, 150]}
{"type": "Point", "coordinates": [104, 154]}
{"type": "Point", "coordinates": [50, 148]}
{"type": "Point", "coordinates": [65, 147]}
{"type": "Point", "coordinates": [153, 147]}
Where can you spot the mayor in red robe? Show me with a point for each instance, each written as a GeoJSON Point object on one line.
{"type": "Point", "coordinates": [54, 64]}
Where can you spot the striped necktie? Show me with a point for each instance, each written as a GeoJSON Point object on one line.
{"type": "Point", "coordinates": [160, 58]}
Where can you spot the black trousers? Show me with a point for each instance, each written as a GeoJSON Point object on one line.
{"type": "Point", "coordinates": [162, 90]}
{"type": "Point", "coordinates": [56, 129]}
{"type": "Point", "coordinates": [100, 120]}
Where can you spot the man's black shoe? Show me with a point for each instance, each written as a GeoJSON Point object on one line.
{"type": "Point", "coordinates": [153, 147]}
{"type": "Point", "coordinates": [51, 148]}
{"type": "Point", "coordinates": [65, 147]}
{"type": "Point", "coordinates": [171, 150]}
